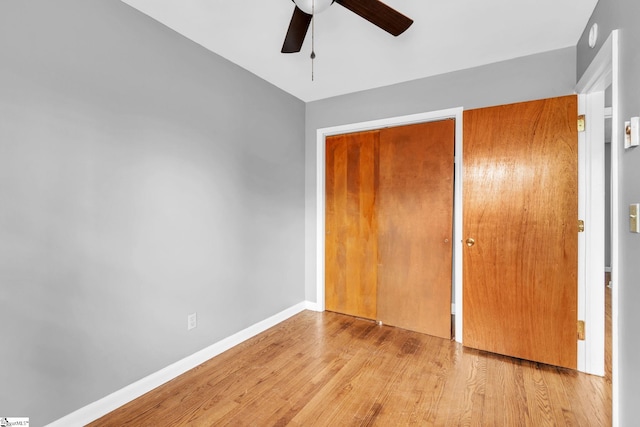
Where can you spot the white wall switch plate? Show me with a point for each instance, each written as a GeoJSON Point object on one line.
{"type": "Point", "coordinates": [635, 131]}
{"type": "Point", "coordinates": [632, 132]}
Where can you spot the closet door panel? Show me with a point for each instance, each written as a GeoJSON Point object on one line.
{"type": "Point", "coordinates": [350, 224]}
{"type": "Point", "coordinates": [415, 226]}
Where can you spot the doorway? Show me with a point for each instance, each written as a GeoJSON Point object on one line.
{"type": "Point", "coordinates": [601, 74]}
{"type": "Point", "coordinates": [608, 213]}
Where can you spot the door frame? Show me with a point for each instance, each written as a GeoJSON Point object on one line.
{"type": "Point", "coordinates": [321, 134]}
{"type": "Point", "coordinates": [591, 243]}
{"type": "Point", "coordinates": [602, 72]}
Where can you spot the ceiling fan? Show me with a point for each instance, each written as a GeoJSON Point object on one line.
{"type": "Point", "coordinates": [373, 11]}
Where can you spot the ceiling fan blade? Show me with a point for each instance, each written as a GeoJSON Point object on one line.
{"type": "Point", "coordinates": [379, 14]}
{"type": "Point", "coordinates": [297, 31]}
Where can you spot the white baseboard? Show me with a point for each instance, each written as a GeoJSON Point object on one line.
{"type": "Point", "coordinates": [99, 408]}
{"type": "Point", "coordinates": [312, 306]}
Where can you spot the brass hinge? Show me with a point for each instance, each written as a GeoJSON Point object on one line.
{"type": "Point", "coordinates": [580, 226]}
{"type": "Point", "coordinates": [581, 333]}
{"type": "Point", "coordinates": [581, 123]}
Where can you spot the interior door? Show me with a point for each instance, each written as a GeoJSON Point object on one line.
{"type": "Point", "coordinates": [351, 230]}
{"type": "Point", "coordinates": [520, 213]}
{"type": "Point", "coordinates": [415, 223]}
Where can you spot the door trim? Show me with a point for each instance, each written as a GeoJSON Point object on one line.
{"type": "Point", "coordinates": [591, 243]}
{"type": "Point", "coordinates": [321, 134]}
{"type": "Point", "coordinates": [603, 71]}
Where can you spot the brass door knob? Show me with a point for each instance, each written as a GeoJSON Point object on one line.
{"type": "Point", "coordinates": [470, 241]}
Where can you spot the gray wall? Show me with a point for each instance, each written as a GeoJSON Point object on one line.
{"type": "Point", "coordinates": [623, 15]}
{"type": "Point", "coordinates": [539, 76]}
{"type": "Point", "coordinates": [142, 178]}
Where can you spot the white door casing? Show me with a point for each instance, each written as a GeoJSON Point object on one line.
{"type": "Point", "coordinates": [601, 73]}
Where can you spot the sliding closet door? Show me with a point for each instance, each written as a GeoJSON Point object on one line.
{"type": "Point", "coordinates": [351, 230]}
{"type": "Point", "coordinates": [415, 227]}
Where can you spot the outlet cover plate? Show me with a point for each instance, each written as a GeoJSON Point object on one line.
{"type": "Point", "coordinates": [192, 321]}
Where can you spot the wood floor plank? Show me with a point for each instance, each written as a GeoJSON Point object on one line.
{"type": "Point", "coordinates": [537, 394]}
{"type": "Point", "coordinates": [328, 369]}
{"type": "Point", "coordinates": [458, 400]}
{"type": "Point", "coordinates": [418, 387]}
{"type": "Point", "coordinates": [506, 386]}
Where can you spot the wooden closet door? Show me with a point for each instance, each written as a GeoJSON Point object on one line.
{"type": "Point", "coordinates": [521, 209]}
{"type": "Point", "coordinates": [351, 229]}
{"type": "Point", "coordinates": [415, 223]}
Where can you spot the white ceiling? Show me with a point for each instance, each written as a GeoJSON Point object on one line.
{"type": "Point", "coordinates": [354, 55]}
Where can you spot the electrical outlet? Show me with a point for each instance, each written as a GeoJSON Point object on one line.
{"type": "Point", "coordinates": [192, 321]}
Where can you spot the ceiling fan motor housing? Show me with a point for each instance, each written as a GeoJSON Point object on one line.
{"type": "Point", "coordinates": [313, 6]}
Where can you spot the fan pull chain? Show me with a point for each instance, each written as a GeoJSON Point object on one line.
{"type": "Point", "coordinates": [313, 33]}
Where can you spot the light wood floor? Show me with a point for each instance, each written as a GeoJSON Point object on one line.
{"type": "Point", "coordinates": [327, 369]}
